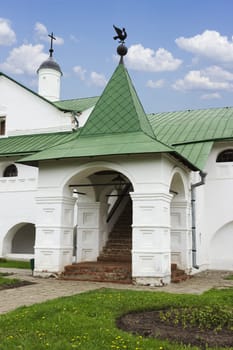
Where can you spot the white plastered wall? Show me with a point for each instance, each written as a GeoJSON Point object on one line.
{"type": "Point", "coordinates": [214, 213]}
{"type": "Point", "coordinates": [17, 202]}
{"type": "Point", "coordinates": [27, 113]}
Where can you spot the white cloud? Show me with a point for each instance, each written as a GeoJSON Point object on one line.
{"type": "Point", "coordinates": [155, 84]}
{"type": "Point", "coordinates": [24, 59]}
{"type": "Point", "coordinates": [209, 44]}
{"type": "Point", "coordinates": [81, 72]}
{"type": "Point", "coordinates": [7, 35]}
{"type": "Point", "coordinates": [212, 96]}
{"type": "Point", "coordinates": [42, 34]}
{"type": "Point", "coordinates": [212, 78]}
{"type": "Point", "coordinates": [97, 79]}
{"type": "Point", "coordinates": [218, 73]}
{"type": "Point", "coordinates": [145, 59]}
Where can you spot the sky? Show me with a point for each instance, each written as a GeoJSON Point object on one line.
{"type": "Point", "coordinates": [180, 52]}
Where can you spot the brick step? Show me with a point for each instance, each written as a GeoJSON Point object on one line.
{"type": "Point", "coordinates": [120, 236]}
{"type": "Point", "coordinates": [99, 271]}
{"type": "Point", "coordinates": [120, 239]}
{"type": "Point", "coordinates": [114, 257]}
{"type": "Point", "coordinates": [116, 249]}
{"type": "Point", "coordinates": [119, 244]}
{"type": "Point", "coordinates": [178, 275]}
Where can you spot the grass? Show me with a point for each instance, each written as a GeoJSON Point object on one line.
{"type": "Point", "coordinates": [14, 264]}
{"type": "Point", "coordinates": [4, 281]}
{"type": "Point", "coordinates": [230, 277]}
{"type": "Point", "coordinates": [88, 321]}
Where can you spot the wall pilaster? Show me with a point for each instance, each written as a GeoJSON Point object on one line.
{"type": "Point", "coordinates": [88, 231]}
{"type": "Point", "coordinates": [151, 262]}
{"type": "Point", "coordinates": [54, 234]}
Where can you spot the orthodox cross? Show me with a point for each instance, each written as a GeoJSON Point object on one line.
{"type": "Point", "coordinates": [51, 44]}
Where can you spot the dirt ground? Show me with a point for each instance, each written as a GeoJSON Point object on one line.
{"type": "Point", "coordinates": [149, 324]}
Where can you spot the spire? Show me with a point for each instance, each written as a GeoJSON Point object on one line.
{"type": "Point", "coordinates": [51, 44]}
{"type": "Point", "coordinates": [119, 109]}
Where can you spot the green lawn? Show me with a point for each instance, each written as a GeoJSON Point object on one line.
{"type": "Point", "coordinates": [4, 281]}
{"type": "Point", "coordinates": [88, 321]}
{"type": "Point", "coordinates": [14, 264]}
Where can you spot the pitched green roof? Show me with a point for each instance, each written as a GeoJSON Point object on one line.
{"type": "Point", "coordinates": [29, 144]}
{"type": "Point", "coordinates": [193, 125]}
{"type": "Point", "coordinates": [193, 132]}
{"type": "Point", "coordinates": [77, 105]}
{"type": "Point", "coordinates": [118, 110]}
{"type": "Point", "coordinates": [102, 145]}
{"type": "Point", "coordinates": [117, 125]}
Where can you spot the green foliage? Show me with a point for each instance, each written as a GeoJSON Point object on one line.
{"type": "Point", "coordinates": [213, 317]}
{"type": "Point", "coordinates": [87, 321]}
{"type": "Point", "coordinates": [4, 281]}
{"type": "Point", "coordinates": [230, 277]}
{"type": "Point", "coordinates": [14, 264]}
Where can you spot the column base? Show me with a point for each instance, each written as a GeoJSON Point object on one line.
{"type": "Point", "coordinates": [46, 274]}
{"type": "Point", "coordinates": [152, 281]}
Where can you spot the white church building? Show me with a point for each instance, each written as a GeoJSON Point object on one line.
{"type": "Point", "coordinates": [74, 172]}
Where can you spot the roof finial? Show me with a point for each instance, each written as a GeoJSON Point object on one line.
{"type": "Point", "coordinates": [51, 44]}
{"type": "Point", "coordinates": [121, 35]}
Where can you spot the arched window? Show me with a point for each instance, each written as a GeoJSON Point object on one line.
{"type": "Point", "coordinates": [225, 156]}
{"type": "Point", "coordinates": [10, 171]}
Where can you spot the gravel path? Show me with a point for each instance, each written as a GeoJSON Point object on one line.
{"type": "Point", "coordinates": [44, 289]}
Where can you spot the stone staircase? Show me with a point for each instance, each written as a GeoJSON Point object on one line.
{"type": "Point", "coordinates": [114, 262]}
{"type": "Point", "coordinates": [99, 271]}
{"type": "Point", "coordinates": [119, 245]}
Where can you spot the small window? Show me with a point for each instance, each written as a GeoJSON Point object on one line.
{"type": "Point", "coordinates": [10, 171]}
{"type": "Point", "coordinates": [2, 126]}
{"type": "Point", "coordinates": [225, 156]}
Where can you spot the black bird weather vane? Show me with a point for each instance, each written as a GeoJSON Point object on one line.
{"type": "Point", "coordinates": [121, 34]}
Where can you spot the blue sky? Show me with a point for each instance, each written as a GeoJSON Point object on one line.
{"type": "Point", "coordinates": [180, 52]}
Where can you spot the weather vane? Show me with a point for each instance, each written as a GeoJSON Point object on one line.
{"type": "Point", "coordinates": [121, 36]}
{"type": "Point", "coordinates": [51, 44]}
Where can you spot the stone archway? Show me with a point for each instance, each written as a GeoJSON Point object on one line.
{"type": "Point", "coordinates": [104, 219]}
{"type": "Point", "coordinates": [180, 231]}
{"type": "Point", "coordinates": [19, 241]}
{"type": "Point", "coordinates": [101, 201]}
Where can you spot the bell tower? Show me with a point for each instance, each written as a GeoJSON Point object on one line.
{"type": "Point", "coordinates": [49, 74]}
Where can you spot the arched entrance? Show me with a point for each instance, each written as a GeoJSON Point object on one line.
{"type": "Point", "coordinates": [104, 219]}
{"type": "Point", "coordinates": [180, 231]}
{"type": "Point", "coordinates": [19, 241]}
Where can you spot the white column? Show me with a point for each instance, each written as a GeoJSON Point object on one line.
{"type": "Point", "coordinates": [151, 262]}
{"type": "Point", "coordinates": [54, 234]}
{"type": "Point", "coordinates": [181, 235]}
{"type": "Point", "coordinates": [88, 231]}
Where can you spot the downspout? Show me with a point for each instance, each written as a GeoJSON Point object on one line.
{"type": "Point", "coordinates": [193, 210]}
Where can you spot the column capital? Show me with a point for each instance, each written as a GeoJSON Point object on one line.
{"type": "Point", "coordinates": [151, 196]}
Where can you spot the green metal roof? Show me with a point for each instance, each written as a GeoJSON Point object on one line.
{"type": "Point", "coordinates": [196, 153]}
{"type": "Point", "coordinates": [102, 145]}
{"type": "Point", "coordinates": [193, 132]}
{"type": "Point", "coordinates": [118, 110]}
{"type": "Point", "coordinates": [193, 126]}
{"type": "Point", "coordinates": [77, 105]}
{"type": "Point", "coordinates": [28, 144]}
{"type": "Point", "coordinates": [117, 125]}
